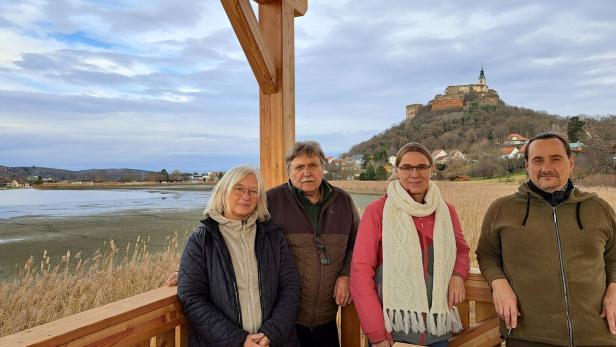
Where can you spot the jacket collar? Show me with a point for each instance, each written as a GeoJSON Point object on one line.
{"type": "Point", "coordinates": [553, 198]}
{"type": "Point", "coordinates": [325, 188]}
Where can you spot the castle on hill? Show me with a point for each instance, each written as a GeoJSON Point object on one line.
{"type": "Point", "coordinates": [456, 97]}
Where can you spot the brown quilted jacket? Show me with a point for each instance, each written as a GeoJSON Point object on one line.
{"type": "Point", "coordinates": [338, 227]}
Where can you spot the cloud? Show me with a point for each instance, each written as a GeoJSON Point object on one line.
{"type": "Point", "coordinates": [146, 83]}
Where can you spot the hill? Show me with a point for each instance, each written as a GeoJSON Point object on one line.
{"type": "Point", "coordinates": [477, 129]}
{"type": "Point", "coordinates": [81, 175]}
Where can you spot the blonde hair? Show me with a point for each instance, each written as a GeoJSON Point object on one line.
{"type": "Point", "coordinates": [224, 187]}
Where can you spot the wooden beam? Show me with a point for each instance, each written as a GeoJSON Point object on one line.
{"type": "Point", "coordinates": [246, 27]}
{"type": "Point", "coordinates": [126, 322]}
{"type": "Point", "coordinates": [277, 110]}
{"type": "Point", "coordinates": [299, 6]}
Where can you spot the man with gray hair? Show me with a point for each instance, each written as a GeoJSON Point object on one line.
{"type": "Point", "coordinates": [319, 222]}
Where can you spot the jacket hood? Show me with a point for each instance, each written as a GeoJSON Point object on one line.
{"type": "Point", "coordinates": [575, 197]}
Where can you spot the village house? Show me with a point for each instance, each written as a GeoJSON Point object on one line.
{"type": "Point", "coordinates": [515, 140]}
{"type": "Point", "coordinates": [439, 156]}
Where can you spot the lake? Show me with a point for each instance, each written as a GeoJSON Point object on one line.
{"type": "Point", "coordinates": [32, 220]}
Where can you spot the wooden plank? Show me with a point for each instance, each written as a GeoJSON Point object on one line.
{"type": "Point", "coordinates": [483, 311]}
{"type": "Point", "coordinates": [145, 343]}
{"type": "Point", "coordinates": [484, 334]}
{"type": "Point", "coordinates": [476, 288]}
{"type": "Point", "coordinates": [277, 110]}
{"type": "Point", "coordinates": [246, 27]}
{"type": "Point", "coordinates": [465, 315]}
{"type": "Point", "coordinates": [181, 334]}
{"type": "Point", "coordinates": [299, 6]}
{"type": "Point", "coordinates": [166, 339]}
{"type": "Point", "coordinates": [350, 330]}
{"type": "Point", "coordinates": [152, 323]}
{"type": "Point", "coordinates": [65, 330]}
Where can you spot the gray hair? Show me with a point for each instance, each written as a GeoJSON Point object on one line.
{"type": "Point", "coordinates": [224, 187]}
{"type": "Point", "coordinates": [307, 148]}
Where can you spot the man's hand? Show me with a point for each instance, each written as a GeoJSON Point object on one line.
{"type": "Point", "coordinates": [253, 340]}
{"type": "Point", "coordinates": [172, 280]}
{"type": "Point", "coordinates": [505, 302]}
{"type": "Point", "coordinates": [342, 294]}
{"type": "Point", "coordinates": [609, 307]}
{"type": "Point", "coordinates": [456, 292]}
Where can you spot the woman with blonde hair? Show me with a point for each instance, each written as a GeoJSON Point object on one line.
{"type": "Point", "coordinates": [237, 281]}
{"type": "Point", "coordinates": [410, 259]}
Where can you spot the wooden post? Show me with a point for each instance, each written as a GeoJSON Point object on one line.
{"type": "Point", "coordinates": [277, 110]}
{"type": "Point", "coordinates": [350, 331]}
{"type": "Point", "coordinates": [270, 50]}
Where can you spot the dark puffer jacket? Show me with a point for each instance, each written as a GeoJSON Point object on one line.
{"type": "Point", "coordinates": [207, 288]}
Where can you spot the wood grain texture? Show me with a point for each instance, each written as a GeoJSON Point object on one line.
{"type": "Point", "coordinates": [246, 28]}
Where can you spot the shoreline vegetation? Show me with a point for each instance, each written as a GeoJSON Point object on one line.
{"type": "Point", "coordinates": [43, 291]}
{"type": "Point", "coordinates": [126, 185]}
{"type": "Point", "coordinates": [47, 289]}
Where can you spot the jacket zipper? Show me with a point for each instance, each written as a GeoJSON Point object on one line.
{"type": "Point", "coordinates": [563, 277]}
{"type": "Point", "coordinates": [318, 258]}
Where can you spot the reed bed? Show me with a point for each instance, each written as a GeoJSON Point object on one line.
{"type": "Point", "coordinates": [44, 291]}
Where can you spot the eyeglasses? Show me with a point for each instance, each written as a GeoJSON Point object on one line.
{"type": "Point", "coordinates": [239, 191]}
{"type": "Point", "coordinates": [320, 246]}
{"type": "Point", "coordinates": [421, 168]}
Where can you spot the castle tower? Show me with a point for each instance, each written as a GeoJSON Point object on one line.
{"type": "Point", "coordinates": [482, 77]}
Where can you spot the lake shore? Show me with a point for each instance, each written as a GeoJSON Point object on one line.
{"type": "Point", "coordinates": [27, 236]}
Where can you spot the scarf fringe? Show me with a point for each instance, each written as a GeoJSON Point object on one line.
{"type": "Point", "coordinates": [411, 321]}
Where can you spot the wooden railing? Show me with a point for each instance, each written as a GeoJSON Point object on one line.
{"type": "Point", "coordinates": [155, 318]}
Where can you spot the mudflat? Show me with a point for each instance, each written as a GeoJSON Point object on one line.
{"type": "Point", "coordinates": [27, 236]}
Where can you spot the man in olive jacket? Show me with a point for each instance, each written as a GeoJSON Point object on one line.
{"type": "Point", "coordinates": [549, 255]}
{"type": "Point", "coordinates": [319, 222]}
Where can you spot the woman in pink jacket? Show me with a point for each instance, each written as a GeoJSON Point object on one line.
{"type": "Point", "coordinates": [410, 259]}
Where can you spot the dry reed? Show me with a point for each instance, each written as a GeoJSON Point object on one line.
{"type": "Point", "coordinates": [41, 293]}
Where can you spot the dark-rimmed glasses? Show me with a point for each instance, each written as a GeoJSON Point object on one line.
{"type": "Point", "coordinates": [421, 168]}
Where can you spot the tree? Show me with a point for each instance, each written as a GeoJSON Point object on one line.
{"type": "Point", "coordinates": [154, 177]}
{"type": "Point", "coordinates": [381, 173]}
{"type": "Point", "coordinates": [165, 174]}
{"type": "Point", "coordinates": [365, 160]}
{"type": "Point", "coordinates": [176, 175]}
{"type": "Point", "coordinates": [369, 174]}
{"type": "Point", "coordinates": [575, 126]}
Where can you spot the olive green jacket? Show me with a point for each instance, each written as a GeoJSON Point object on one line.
{"type": "Point", "coordinates": [558, 261]}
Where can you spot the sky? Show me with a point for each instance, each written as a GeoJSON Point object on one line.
{"type": "Point", "coordinates": [164, 84]}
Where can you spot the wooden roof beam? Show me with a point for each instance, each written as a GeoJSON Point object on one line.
{"type": "Point", "coordinates": [246, 27]}
{"type": "Point", "coordinates": [299, 6]}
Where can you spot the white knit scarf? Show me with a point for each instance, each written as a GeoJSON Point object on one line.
{"type": "Point", "coordinates": [405, 295]}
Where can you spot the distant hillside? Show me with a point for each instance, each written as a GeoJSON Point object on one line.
{"type": "Point", "coordinates": [476, 129]}
{"type": "Point", "coordinates": [81, 175]}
